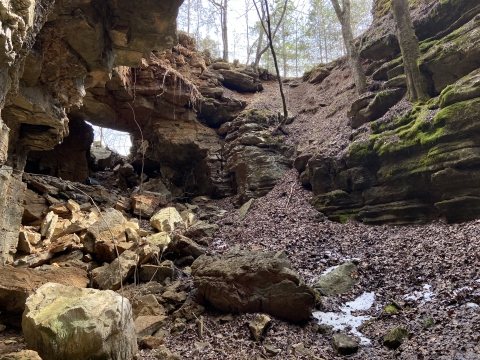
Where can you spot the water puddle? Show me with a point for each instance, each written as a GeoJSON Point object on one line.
{"type": "Point", "coordinates": [340, 321]}
{"type": "Point", "coordinates": [424, 296]}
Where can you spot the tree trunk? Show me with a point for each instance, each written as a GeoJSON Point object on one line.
{"type": "Point", "coordinates": [416, 85]}
{"type": "Point", "coordinates": [270, 36]}
{"type": "Point", "coordinates": [352, 52]}
{"type": "Point", "coordinates": [224, 31]}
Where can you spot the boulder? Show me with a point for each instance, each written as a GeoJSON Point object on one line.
{"type": "Point", "coordinates": [65, 322]}
{"type": "Point", "coordinates": [241, 82]}
{"type": "Point", "coordinates": [253, 281]}
{"type": "Point", "coordinates": [338, 281]}
{"type": "Point", "coordinates": [344, 345]}
{"type": "Point", "coordinates": [395, 337]}
{"type": "Point", "coordinates": [167, 219]}
{"type": "Point", "coordinates": [100, 236]}
{"type": "Point", "coordinates": [111, 277]}
{"type": "Point", "coordinates": [201, 229]}
{"type": "Point", "coordinates": [145, 205]}
{"type": "Point", "coordinates": [100, 158]}
{"type": "Point", "coordinates": [34, 207]}
{"type": "Point", "coordinates": [148, 325]}
{"type": "Point", "coordinates": [245, 208]}
{"type": "Point", "coordinates": [258, 326]}
{"type": "Point", "coordinates": [184, 246]}
{"type": "Point", "coordinates": [161, 239]}
{"type": "Point", "coordinates": [157, 273]}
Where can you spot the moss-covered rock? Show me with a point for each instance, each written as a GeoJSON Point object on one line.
{"type": "Point", "coordinates": [395, 337]}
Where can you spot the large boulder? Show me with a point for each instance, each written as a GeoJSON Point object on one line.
{"type": "Point", "coordinates": [339, 280]}
{"type": "Point", "coordinates": [65, 322]}
{"type": "Point", "coordinates": [253, 281]}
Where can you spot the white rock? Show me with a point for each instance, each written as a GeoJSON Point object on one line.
{"type": "Point", "coordinates": [167, 220]}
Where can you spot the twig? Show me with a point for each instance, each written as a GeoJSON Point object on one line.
{"type": "Point", "coordinates": [289, 196]}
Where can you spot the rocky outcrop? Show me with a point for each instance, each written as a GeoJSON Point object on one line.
{"type": "Point", "coordinates": [409, 165]}
{"type": "Point", "coordinates": [409, 169]}
{"type": "Point", "coordinates": [257, 159]}
{"type": "Point", "coordinates": [433, 20]}
{"type": "Point", "coordinates": [103, 326]}
{"type": "Point", "coordinates": [253, 282]}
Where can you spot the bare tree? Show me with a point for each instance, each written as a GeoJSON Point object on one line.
{"type": "Point", "coordinates": [416, 85]}
{"type": "Point", "coordinates": [343, 14]}
{"type": "Point", "coordinates": [268, 31]}
{"type": "Point", "coordinates": [260, 48]}
{"type": "Point", "coordinates": [222, 6]}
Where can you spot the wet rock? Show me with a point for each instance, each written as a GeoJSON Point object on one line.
{"type": "Point", "coordinates": [338, 281]}
{"type": "Point", "coordinates": [344, 345]}
{"type": "Point", "coordinates": [252, 281]}
{"type": "Point", "coordinates": [395, 337]}
{"type": "Point", "coordinates": [48, 328]}
{"type": "Point", "coordinates": [258, 326]}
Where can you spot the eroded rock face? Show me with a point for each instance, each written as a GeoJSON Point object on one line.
{"type": "Point", "coordinates": [411, 169]}
{"type": "Point", "coordinates": [253, 282]}
{"type": "Point", "coordinates": [434, 20]}
{"type": "Point", "coordinates": [104, 330]}
{"type": "Point", "coordinates": [256, 158]}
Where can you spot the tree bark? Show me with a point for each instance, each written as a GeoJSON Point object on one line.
{"type": "Point", "coordinates": [343, 14]}
{"type": "Point", "coordinates": [224, 31]}
{"type": "Point", "coordinates": [416, 85]}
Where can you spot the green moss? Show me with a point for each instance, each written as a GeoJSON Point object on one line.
{"type": "Point", "coordinates": [428, 322]}
{"type": "Point", "coordinates": [417, 132]}
{"type": "Point", "coordinates": [359, 151]}
{"type": "Point", "coordinates": [391, 309]}
{"type": "Point", "coordinates": [345, 217]}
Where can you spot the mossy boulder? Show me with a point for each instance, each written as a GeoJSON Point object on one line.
{"type": "Point", "coordinates": [65, 322]}
{"type": "Point", "coordinates": [395, 337]}
{"type": "Point", "coordinates": [338, 281]}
